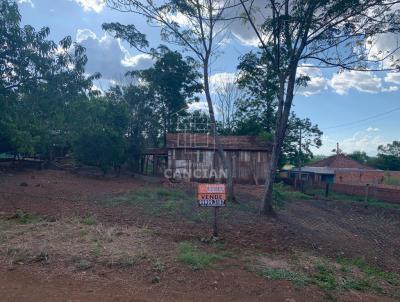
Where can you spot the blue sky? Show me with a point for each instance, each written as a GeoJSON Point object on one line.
{"type": "Point", "coordinates": [335, 101]}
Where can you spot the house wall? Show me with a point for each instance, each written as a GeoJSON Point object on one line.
{"type": "Point", "coordinates": [205, 165]}
{"type": "Point", "coordinates": [379, 178]}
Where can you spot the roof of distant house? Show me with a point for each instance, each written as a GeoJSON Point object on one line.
{"type": "Point", "coordinates": [340, 161]}
{"type": "Point", "coordinates": [204, 141]}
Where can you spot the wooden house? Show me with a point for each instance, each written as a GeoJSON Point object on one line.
{"type": "Point", "coordinates": [195, 157]}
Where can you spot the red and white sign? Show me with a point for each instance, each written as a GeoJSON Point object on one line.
{"type": "Point", "coordinates": [211, 195]}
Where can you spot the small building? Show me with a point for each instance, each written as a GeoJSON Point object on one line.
{"type": "Point", "coordinates": [194, 157]}
{"type": "Point", "coordinates": [336, 169]}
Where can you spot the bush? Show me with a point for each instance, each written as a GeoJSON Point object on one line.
{"type": "Point", "coordinates": [100, 148]}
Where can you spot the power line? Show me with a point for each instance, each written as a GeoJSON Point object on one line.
{"type": "Point", "coordinates": [363, 120]}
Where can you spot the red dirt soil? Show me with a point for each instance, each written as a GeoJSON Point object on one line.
{"type": "Point", "coordinates": [326, 228]}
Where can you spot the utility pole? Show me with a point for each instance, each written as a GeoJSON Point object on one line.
{"type": "Point", "coordinates": [299, 161]}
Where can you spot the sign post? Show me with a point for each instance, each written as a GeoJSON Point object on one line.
{"type": "Point", "coordinates": [212, 195]}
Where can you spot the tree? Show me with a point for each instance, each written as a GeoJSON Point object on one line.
{"type": "Point", "coordinates": [389, 156]}
{"type": "Point", "coordinates": [174, 83]}
{"type": "Point", "coordinates": [228, 98]}
{"type": "Point", "coordinates": [339, 34]}
{"type": "Point", "coordinates": [301, 136]}
{"type": "Point", "coordinates": [201, 36]}
{"type": "Point", "coordinates": [359, 156]}
{"type": "Point", "coordinates": [99, 140]}
{"type": "Point", "coordinates": [40, 81]}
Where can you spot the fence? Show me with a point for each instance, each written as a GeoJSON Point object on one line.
{"type": "Point", "coordinates": [391, 195]}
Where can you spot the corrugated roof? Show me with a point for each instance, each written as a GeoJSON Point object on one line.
{"type": "Point", "coordinates": [316, 170]}
{"type": "Point", "coordinates": [202, 141]}
{"type": "Point", "coordinates": [340, 161]}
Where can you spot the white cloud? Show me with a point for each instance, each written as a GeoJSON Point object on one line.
{"type": "Point", "coordinates": [198, 106]}
{"type": "Point", "coordinates": [107, 55]}
{"type": "Point", "coordinates": [140, 61]}
{"type": "Point", "coordinates": [371, 129]}
{"type": "Point", "coordinates": [84, 34]}
{"type": "Point", "coordinates": [358, 80]}
{"type": "Point", "coordinates": [91, 5]}
{"type": "Point", "coordinates": [30, 2]}
{"type": "Point", "coordinates": [181, 19]}
{"type": "Point", "coordinates": [384, 47]}
{"type": "Point", "coordinates": [359, 141]}
{"type": "Point", "coordinates": [390, 89]}
{"type": "Point", "coordinates": [317, 81]}
{"type": "Point", "coordinates": [219, 79]}
{"type": "Point", "coordinates": [393, 77]}
{"type": "Point", "coordinates": [362, 142]}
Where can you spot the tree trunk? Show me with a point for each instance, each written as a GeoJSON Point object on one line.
{"type": "Point", "coordinates": [285, 103]}
{"type": "Point", "coordinates": [220, 150]}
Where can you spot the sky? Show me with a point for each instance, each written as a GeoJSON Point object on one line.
{"type": "Point", "coordinates": [359, 110]}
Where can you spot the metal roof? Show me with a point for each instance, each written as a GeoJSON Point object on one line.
{"type": "Point", "coordinates": [315, 170]}
{"type": "Point", "coordinates": [204, 141]}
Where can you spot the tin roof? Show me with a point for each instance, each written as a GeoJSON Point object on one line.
{"type": "Point", "coordinates": [204, 141]}
{"type": "Point", "coordinates": [315, 170]}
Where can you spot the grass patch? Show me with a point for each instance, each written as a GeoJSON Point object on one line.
{"type": "Point", "coordinates": [284, 274]}
{"type": "Point", "coordinates": [161, 202]}
{"type": "Point", "coordinates": [196, 259]}
{"type": "Point", "coordinates": [324, 277]}
{"type": "Point", "coordinates": [283, 193]}
{"type": "Point", "coordinates": [25, 217]}
{"type": "Point", "coordinates": [353, 198]}
{"type": "Point", "coordinates": [82, 264]}
{"type": "Point", "coordinates": [90, 220]}
{"type": "Point", "coordinates": [370, 271]}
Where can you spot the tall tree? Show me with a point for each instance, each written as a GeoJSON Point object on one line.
{"type": "Point", "coordinates": [39, 82]}
{"type": "Point", "coordinates": [324, 33]}
{"type": "Point", "coordinates": [201, 35]}
{"type": "Point", "coordinates": [174, 81]}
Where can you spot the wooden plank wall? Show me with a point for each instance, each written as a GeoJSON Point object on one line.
{"type": "Point", "coordinates": [248, 166]}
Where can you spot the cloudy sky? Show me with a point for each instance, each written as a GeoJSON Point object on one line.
{"type": "Point", "coordinates": [360, 110]}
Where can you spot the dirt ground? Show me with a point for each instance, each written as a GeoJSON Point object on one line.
{"type": "Point", "coordinates": [314, 227]}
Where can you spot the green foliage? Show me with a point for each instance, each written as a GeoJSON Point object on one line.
{"type": "Point", "coordinates": [43, 81]}
{"type": "Point", "coordinates": [196, 259]}
{"type": "Point", "coordinates": [90, 220]}
{"type": "Point", "coordinates": [284, 274]}
{"type": "Point", "coordinates": [324, 277]}
{"type": "Point", "coordinates": [389, 156]}
{"type": "Point", "coordinates": [26, 218]}
{"type": "Point", "coordinates": [354, 198]}
{"type": "Point", "coordinates": [282, 194]}
{"type": "Point", "coordinates": [100, 136]}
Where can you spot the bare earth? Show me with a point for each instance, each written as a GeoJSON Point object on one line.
{"type": "Point", "coordinates": [125, 234]}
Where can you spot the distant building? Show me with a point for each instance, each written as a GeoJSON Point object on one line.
{"type": "Point", "coordinates": [338, 169]}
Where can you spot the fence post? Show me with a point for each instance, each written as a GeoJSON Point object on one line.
{"type": "Point", "coordinates": [327, 189]}
{"type": "Point", "coordinates": [366, 193]}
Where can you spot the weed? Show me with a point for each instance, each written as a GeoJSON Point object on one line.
{"type": "Point", "coordinates": [124, 261]}
{"type": "Point", "coordinates": [324, 277]}
{"type": "Point", "coordinates": [370, 271]}
{"type": "Point", "coordinates": [158, 266]}
{"type": "Point", "coordinates": [196, 259]}
{"type": "Point", "coordinates": [355, 199]}
{"type": "Point", "coordinates": [283, 193]}
{"type": "Point", "coordinates": [357, 284]}
{"type": "Point", "coordinates": [82, 264]}
{"type": "Point", "coordinates": [90, 220]}
{"type": "Point", "coordinates": [25, 218]}
{"type": "Point", "coordinates": [42, 257]}
{"type": "Point", "coordinates": [284, 274]}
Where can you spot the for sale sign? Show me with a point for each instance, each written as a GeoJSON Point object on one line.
{"type": "Point", "coordinates": [211, 195]}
